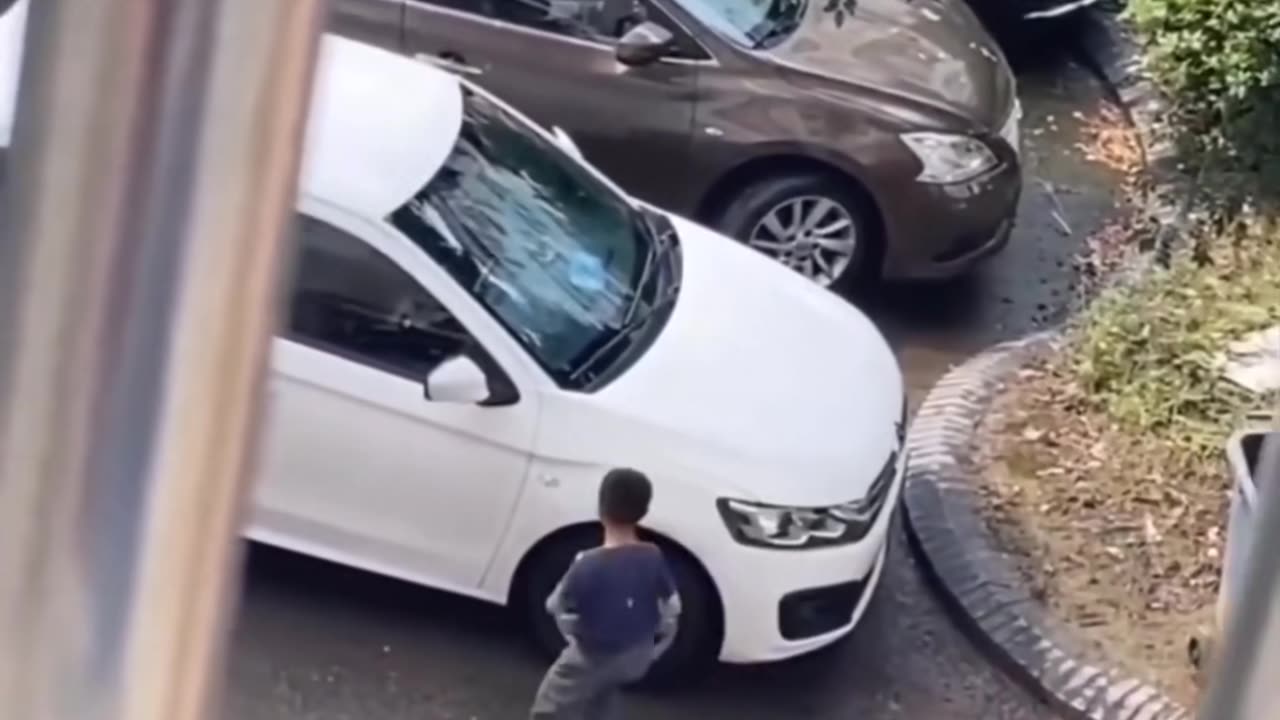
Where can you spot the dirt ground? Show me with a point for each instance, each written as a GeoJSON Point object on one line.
{"type": "Point", "coordinates": [1119, 540]}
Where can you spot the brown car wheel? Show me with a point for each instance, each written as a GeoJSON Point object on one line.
{"type": "Point", "coordinates": [817, 224]}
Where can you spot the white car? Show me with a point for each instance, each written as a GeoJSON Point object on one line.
{"type": "Point", "coordinates": [480, 325]}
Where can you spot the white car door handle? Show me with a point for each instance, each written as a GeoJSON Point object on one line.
{"type": "Point", "coordinates": [451, 64]}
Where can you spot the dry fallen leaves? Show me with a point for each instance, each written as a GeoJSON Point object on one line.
{"type": "Point", "coordinates": [1110, 140]}
{"type": "Point", "coordinates": [1107, 535]}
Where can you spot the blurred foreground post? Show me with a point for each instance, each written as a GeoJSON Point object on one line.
{"type": "Point", "coordinates": [1246, 682]}
{"type": "Point", "coordinates": [155, 164]}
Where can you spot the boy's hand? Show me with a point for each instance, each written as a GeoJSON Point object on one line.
{"type": "Point", "coordinates": [668, 624]}
{"type": "Point", "coordinates": [568, 625]}
{"type": "Point", "coordinates": [662, 646]}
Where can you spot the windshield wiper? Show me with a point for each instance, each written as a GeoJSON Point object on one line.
{"type": "Point", "coordinates": [635, 318]}
{"type": "Point", "coordinates": [781, 19]}
{"type": "Point", "coordinates": [775, 31]}
{"type": "Point", "coordinates": [626, 332]}
{"type": "Point", "coordinates": [645, 229]}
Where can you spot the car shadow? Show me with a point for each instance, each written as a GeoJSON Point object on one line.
{"type": "Point", "coordinates": [924, 307]}
{"type": "Point", "coordinates": [274, 571]}
{"type": "Point", "coordinates": [1038, 46]}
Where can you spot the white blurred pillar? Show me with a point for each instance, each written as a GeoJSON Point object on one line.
{"type": "Point", "coordinates": [156, 150]}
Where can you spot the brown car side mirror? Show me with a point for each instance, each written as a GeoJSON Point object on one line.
{"type": "Point", "coordinates": [644, 44]}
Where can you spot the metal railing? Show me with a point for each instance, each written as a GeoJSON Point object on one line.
{"type": "Point", "coordinates": [154, 166]}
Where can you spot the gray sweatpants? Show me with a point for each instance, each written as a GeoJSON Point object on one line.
{"type": "Point", "coordinates": [580, 687]}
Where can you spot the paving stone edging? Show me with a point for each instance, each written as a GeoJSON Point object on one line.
{"type": "Point", "coordinates": [940, 496]}
{"type": "Point", "coordinates": [944, 517]}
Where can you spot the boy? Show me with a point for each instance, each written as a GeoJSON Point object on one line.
{"type": "Point", "coordinates": [616, 606]}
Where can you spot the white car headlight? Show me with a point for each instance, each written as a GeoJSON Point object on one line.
{"type": "Point", "coordinates": [794, 528]}
{"type": "Point", "coordinates": [948, 158]}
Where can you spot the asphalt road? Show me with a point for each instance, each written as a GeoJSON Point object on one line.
{"type": "Point", "coordinates": [318, 642]}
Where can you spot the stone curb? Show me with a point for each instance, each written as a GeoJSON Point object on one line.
{"type": "Point", "coordinates": [944, 518]}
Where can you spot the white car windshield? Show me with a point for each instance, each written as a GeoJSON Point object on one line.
{"type": "Point", "coordinates": [750, 23]}
{"type": "Point", "coordinates": [557, 256]}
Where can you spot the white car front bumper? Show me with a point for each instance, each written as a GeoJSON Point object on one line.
{"type": "Point", "coordinates": [764, 589]}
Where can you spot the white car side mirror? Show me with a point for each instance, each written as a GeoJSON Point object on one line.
{"type": "Point", "coordinates": [457, 380]}
{"type": "Point", "coordinates": [566, 142]}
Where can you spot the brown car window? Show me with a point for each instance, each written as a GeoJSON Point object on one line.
{"type": "Point", "coordinates": [601, 21]}
{"type": "Point", "coordinates": [686, 47]}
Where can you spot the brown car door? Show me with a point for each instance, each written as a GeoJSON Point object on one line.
{"type": "Point", "coordinates": [634, 123]}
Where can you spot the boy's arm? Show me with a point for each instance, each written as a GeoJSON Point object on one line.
{"type": "Point", "coordinates": [668, 611]}
{"type": "Point", "coordinates": [562, 603]}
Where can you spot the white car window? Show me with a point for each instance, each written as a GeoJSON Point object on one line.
{"type": "Point", "coordinates": [351, 300]}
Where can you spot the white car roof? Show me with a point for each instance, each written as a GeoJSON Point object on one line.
{"type": "Point", "coordinates": [380, 127]}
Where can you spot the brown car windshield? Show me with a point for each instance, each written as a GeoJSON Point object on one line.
{"type": "Point", "coordinates": [554, 254]}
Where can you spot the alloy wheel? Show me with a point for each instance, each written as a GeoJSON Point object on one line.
{"type": "Point", "coordinates": [813, 235]}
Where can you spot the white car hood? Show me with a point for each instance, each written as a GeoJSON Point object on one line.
{"type": "Point", "coordinates": [760, 382]}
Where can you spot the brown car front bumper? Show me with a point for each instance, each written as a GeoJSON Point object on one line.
{"type": "Point", "coordinates": [939, 231]}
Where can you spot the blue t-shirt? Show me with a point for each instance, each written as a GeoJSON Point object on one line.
{"type": "Point", "coordinates": [615, 592]}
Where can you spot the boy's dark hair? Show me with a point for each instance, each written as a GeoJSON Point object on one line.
{"type": "Point", "coordinates": [625, 496]}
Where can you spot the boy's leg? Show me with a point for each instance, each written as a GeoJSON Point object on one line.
{"type": "Point", "coordinates": [603, 705]}
{"type": "Point", "coordinates": [568, 687]}
{"type": "Point", "coordinates": [621, 669]}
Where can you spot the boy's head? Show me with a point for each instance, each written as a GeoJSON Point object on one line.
{"type": "Point", "coordinates": [624, 497]}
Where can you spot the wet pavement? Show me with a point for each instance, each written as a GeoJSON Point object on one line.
{"type": "Point", "coordinates": [319, 642]}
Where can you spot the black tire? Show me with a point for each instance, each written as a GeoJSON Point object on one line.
{"type": "Point", "coordinates": [697, 643]}
{"type": "Point", "coordinates": [748, 207]}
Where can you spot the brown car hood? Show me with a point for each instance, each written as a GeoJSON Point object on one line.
{"type": "Point", "coordinates": [934, 52]}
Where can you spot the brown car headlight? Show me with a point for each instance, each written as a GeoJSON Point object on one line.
{"type": "Point", "coordinates": [947, 158]}
{"type": "Point", "coordinates": [794, 528]}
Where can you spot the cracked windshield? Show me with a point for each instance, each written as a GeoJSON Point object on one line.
{"type": "Point", "coordinates": [551, 251]}
{"type": "Point", "coordinates": [657, 359]}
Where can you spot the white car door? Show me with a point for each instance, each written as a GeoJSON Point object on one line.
{"type": "Point", "coordinates": [360, 467]}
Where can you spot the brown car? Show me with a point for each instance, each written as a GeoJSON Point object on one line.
{"type": "Point", "coordinates": [847, 138]}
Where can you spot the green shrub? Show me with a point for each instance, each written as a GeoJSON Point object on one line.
{"type": "Point", "coordinates": [1147, 356]}
{"type": "Point", "coordinates": [1220, 61]}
